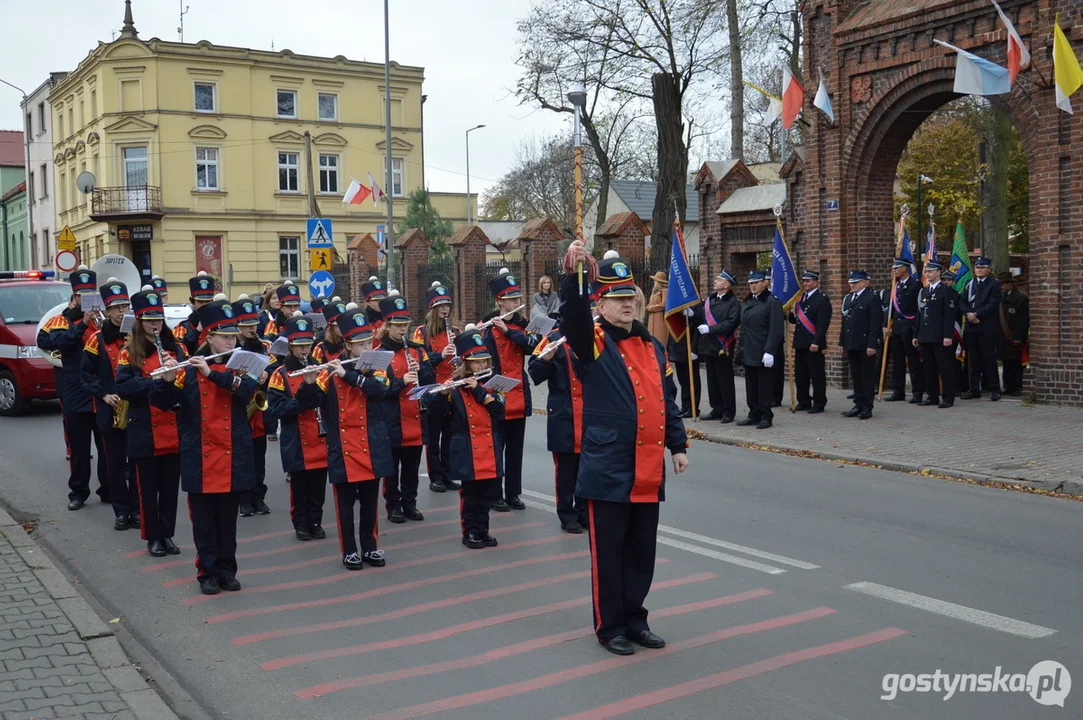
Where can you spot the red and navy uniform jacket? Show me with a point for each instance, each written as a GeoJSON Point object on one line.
{"type": "Point", "coordinates": [186, 333]}
{"type": "Point", "coordinates": [376, 319]}
{"type": "Point", "coordinates": [630, 413]}
{"type": "Point", "coordinates": [443, 368]}
{"type": "Point", "coordinates": [100, 357]}
{"type": "Point", "coordinates": [477, 431]}
{"type": "Point", "coordinates": [358, 448]}
{"type": "Point", "coordinates": [151, 431]}
{"type": "Point", "coordinates": [215, 438]}
{"type": "Point", "coordinates": [294, 403]}
{"type": "Point", "coordinates": [509, 358]}
{"type": "Point", "coordinates": [68, 334]}
{"type": "Point", "coordinates": [564, 406]}
{"type": "Point", "coordinates": [258, 421]}
{"type": "Point", "coordinates": [402, 415]}
{"type": "Point", "coordinates": [266, 319]}
{"type": "Point", "coordinates": [326, 351]}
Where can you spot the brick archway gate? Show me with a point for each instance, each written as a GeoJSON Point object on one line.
{"type": "Point", "coordinates": [886, 76]}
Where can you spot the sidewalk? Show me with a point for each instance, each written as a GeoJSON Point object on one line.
{"type": "Point", "coordinates": [1004, 442]}
{"type": "Point", "coordinates": [58, 659]}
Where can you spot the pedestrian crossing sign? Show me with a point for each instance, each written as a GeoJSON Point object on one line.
{"type": "Point", "coordinates": [319, 233]}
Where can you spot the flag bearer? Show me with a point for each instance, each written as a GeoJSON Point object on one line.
{"type": "Point", "coordinates": [980, 305]}
{"type": "Point", "coordinates": [247, 316]}
{"type": "Point", "coordinates": [904, 313]}
{"type": "Point", "coordinates": [201, 292]}
{"type": "Point", "coordinates": [936, 337]}
{"type": "Point", "coordinates": [721, 318]}
{"type": "Point", "coordinates": [437, 336]}
{"type": "Point", "coordinates": [811, 317]}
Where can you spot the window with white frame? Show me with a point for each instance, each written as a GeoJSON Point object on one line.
{"type": "Point", "coordinates": [327, 106]}
{"type": "Point", "coordinates": [204, 101]}
{"type": "Point", "coordinates": [287, 172]}
{"type": "Point", "coordinates": [286, 102]}
{"type": "Point", "coordinates": [289, 256]}
{"type": "Point", "coordinates": [397, 173]}
{"type": "Point", "coordinates": [206, 168]}
{"type": "Point", "coordinates": [329, 173]}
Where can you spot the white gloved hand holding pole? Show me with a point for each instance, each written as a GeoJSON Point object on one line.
{"type": "Point", "coordinates": [703, 329]}
{"type": "Point", "coordinates": [768, 360]}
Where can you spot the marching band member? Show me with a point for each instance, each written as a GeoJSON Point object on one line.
{"type": "Point", "coordinates": [304, 451]}
{"type": "Point", "coordinates": [216, 445]}
{"type": "Point", "coordinates": [201, 289]}
{"type": "Point", "coordinates": [317, 304]}
{"type": "Point", "coordinates": [509, 346]}
{"type": "Point", "coordinates": [374, 292]}
{"type": "Point", "coordinates": [477, 458]}
{"type": "Point", "coordinates": [358, 449]}
{"type": "Point", "coordinates": [630, 418]}
{"type": "Point", "coordinates": [68, 333]}
{"type": "Point", "coordinates": [253, 502]}
{"type": "Point", "coordinates": [100, 357]}
{"type": "Point", "coordinates": [330, 347]}
{"type": "Point", "coordinates": [437, 336]}
{"type": "Point", "coordinates": [409, 368]}
{"type": "Point", "coordinates": [153, 438]}
{"type": "Point", "coordinates": [159, 285]}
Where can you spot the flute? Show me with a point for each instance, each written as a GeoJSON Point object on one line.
{"type": "Point", "coordinates": [552, 347]}
{"type": "Point", "coordinates": [505, 316]}
{"type": "Point", "coordinates": [308, 368]}
{"type": "Point", "coordinates": [186, 363]}
{"type": "Point", "coordinates": [480, 375]}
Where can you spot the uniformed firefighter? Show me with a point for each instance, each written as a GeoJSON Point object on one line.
{"type": "Point", "coordinates": [717, 343]}
{"type": "Point", "coordinates": [811, 317]}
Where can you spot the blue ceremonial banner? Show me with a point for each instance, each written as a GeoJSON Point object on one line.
{"type": "Point", "coordinates": [908, 253]}
{"type": "Point", "coordinates": [784, 283]}
{"type": "Point", "coordinates": [682, 291]}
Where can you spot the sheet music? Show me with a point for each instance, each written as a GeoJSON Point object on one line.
{"type": "Point", "coordinates": [248, 362]}
{"type": "Point", "coordinates": [281, 346]}
{"type": "Point", "coordinates": [126, 324]}
{"type": "Point", "coordinates": [91, 302]}
{"type": "Point", "coordinates": [541, 325]}
{"type": "Point", "coordinates": [374, 360]}
{"type": "Point", "coordinates": [501, 384]}
{"type": "Point", "coordinates": [319, 320]}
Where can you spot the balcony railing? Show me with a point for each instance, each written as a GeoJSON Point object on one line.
{"type": "Point", "coordinates": [129, 201]}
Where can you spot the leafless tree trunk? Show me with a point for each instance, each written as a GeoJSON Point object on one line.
{"type": "Point", "coordinates": [672, 165]}
{"type": "Point", "coordinates": [737, 87]}
{"type": "Point", "coordinates": [995, 240]}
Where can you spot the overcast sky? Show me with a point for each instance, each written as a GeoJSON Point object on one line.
{"type": "Point", "coordinates": [468, 50]}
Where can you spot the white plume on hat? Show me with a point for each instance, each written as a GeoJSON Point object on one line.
{"type": "Point", "coordinates": [469, 327]}
{"type": "Point", "coordinates": [393, 293]}
{"type": "Point", "coordinates": [83, 267]}
{"type": "Point", "coordinates": [336, 299]}
{"type": "Point", "coordinates": [351, 306]}
{"type": "Point", "coordinates": [610, 254]}
{"type": "Point", "coordinates": [201, 273]}
{"type": "Point", "coordinates": [220, 296]}
{"type": "Point", "coordinates": [435, 283]}
{"type": "Point", "coordinates": [112, 279]}
{"type": "Point", "coordinates": [503, 271]}
{"type": "Point", "coordinates": [297, 313]}
{"type": "Point", "coordinates": [373, 278]}
{"type": "Point", "coordinates": [146, 288]}
{"type": "Point", "coordinates": [242, 296]}
{"type": "Point", "coordinates": [156, 277]}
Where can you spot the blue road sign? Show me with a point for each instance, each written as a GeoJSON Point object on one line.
{"type": "Point", "coordinates": [321, 282]}
{"type": "Point", "coordinates": [380, 236]}
{"type": "Point", "coordinates": [319, 233]}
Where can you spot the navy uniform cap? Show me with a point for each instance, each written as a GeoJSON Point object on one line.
{"type": "Point", "coordinates": [84, 281]}
{"type": "Point", "coordinates": [288, 294]}
{"type": "Point", "coordinates": [114, 292]}
{"type": "Point", "coordinates": [757, 276]}
{"type": "Point", "coordinates": [373, 289]}
{"type": "Point", "coordinates": [245, 312]}
{"type": "Point", "coordinates": [900, 262]}
{"type": "Point", "coordinates": [934, 265]}
{"type": "Point", "coordinates": [615, 277]}
{"type": "Point", "coordinates": [437, 295]}
{"type": "Point", "coordinates": [858, 276]}
{"type": "Point", "coordinates": [299, 331]}
{"type": "Point", "coordinates": [332, 310]}
{"type": "Point", "coordinates": [158, 283]}
{"type": "Point", "coordinates": [218, 318]}
{"type": "Point", "coordinates": [354, 325]}
{"type": "Point", "coordinates": [318, 304]}
{"type": "Point", "coordinates": [201, 287]}
{"type": "Point", "coordinates": [148, 305]}
{"type": "Point", "coordinates": [811, 275]}
{"type": "Point", "coordinates": [727, 277]}
{"type": "Point", "coordinates": [948, 275]}
{"type": "Point", "coordinates": [982, 261]}
{"type": "Point", "coordinates": [470, 345]}
{"type": "Point", "coordinates": [505, 285]}
{"type": "Point", "coordinates": [395, 310]}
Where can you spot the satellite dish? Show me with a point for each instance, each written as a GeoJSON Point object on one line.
{"type": "Point", "coordinates": [85, 182]}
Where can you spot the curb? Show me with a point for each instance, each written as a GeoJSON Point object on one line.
{"type": "Point", "coordinates": [144, 702]}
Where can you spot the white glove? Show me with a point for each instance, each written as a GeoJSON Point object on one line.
{"type": "Point", "coordinates": [703, 329]}
{"type": "Point", "coordinates": [768, 360]}
{"type": "Point", "coordinates": [688, 312]}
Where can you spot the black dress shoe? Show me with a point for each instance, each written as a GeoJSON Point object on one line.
{"type": "Point", "coordinates": [261, 507]}
{"type": "Point", "coordinates": [474, 542]}
{"type": "Point", "coordinates": [375, 558]}
{"type": "Point", "coordinates": [437, 486]}
{"type": "Point", "coordinates": [488, 540]}
{"type": "Point", "coordinates": [171, 547]}
{"type": "Point", "coordinates": [816, 410]}
{"type": "Point", "coordinates": [516, 504]}
{"type": "Point", "coordinates": [850, 396]}
{"type": "Point", "coordinates": [746, 422]}
{"type": "Point", "coordinates": [121, 523]}
{"type": "Point", "coordinates": [915, 399]}
{"type": "Point", "coordinates": [353, 562]}
{"type": "Point", "coordinates": [865, 415]}
{"type": "Point", "coordinates": [927, 402]}
{"type": "Point", "coordinates": [727, 419]}
{"type": "Point", "coordinates": [209, 586]}
{"type": "Point", "coordinates": [713, 415]}
{"type": "Point", "coordinates": [946, 404]}
{"type": "Point", "coordinates": [396, 517]}
{"type": "Point", "coordinates": [685, 413]}
{"type": "Point", "coordinates": [318, 533]}
{"type": "Point", "coordinates": [572, 527]}
{"type": "Point", "coordinates": [971, 396]}
{"type": "Point", "coordinates": [852, 412]}
{"type": "Point", "coordinates": [246, 509]}
{"type": "Point", "coordinates": [303, 533]}
{"type": "Point", "coordinates": [897, 397]}
{"type": "Point", "coordinates": [452, 485]}
{"type": "Point", "coordinates": [501, 506]}
{"type": "Point", "coordinates": [133, 521]}
{"type": "Point", "coordinates": [229, 584]}
{"type": "Point", "coordinates": [763, 424]}
{"type": "Point", "coordinates": [76, 504]}
{"type": "Point", "coordinates": [156, 548]}
{"type": "Point", "coordinates": [647, 639]}
{"type": "Point", "coordinates": [802, 407]}
{"type": "Point", "coordinates": [413, 514]}
{"type": "Point", "coordinates": [619, 646]}
{"type": "Point", "coordinates": [994, 396]}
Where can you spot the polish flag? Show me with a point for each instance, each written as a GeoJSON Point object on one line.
{"type": "Point", "coordinates": [356, 193]}
{"type": "Point", "coordinates": [377, 192]}
{"type": "Point", "coordinates": [793, 97]}
{"type": "Point", "coordinates": [1018, 55]}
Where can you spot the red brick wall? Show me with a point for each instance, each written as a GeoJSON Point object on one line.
{"type": "Point", "coordinates": [361, 254]}
{"type": "Point", "coordinates": [538, 241]}
{"type": "Point", "coordinates": [414, 247]}
{"type": "Point", "coordinates": [625, 233]}
{"type": "Point", "coordinates": [468, 248]}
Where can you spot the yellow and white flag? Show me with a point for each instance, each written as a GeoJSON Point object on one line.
{"type": "Point", "coordinates": [1067, 74]}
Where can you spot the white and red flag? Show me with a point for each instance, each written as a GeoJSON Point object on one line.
{"type": "Point", "coordinates": [1018, 55]}
{"type": "Point", "coordinates": [356, 193]}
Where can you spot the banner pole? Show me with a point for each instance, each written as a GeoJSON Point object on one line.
{"type": "Point", "coordinates": [691, 371]}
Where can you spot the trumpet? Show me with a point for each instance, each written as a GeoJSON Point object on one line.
{"type": "Point", "coordinates": [505, 316]}
{"type": "Point", "coordinates": [480, 375]}
{"type": "Point", "coordinates": [186, 363]}
{"type": "Point", "coordinates": [258, 402]}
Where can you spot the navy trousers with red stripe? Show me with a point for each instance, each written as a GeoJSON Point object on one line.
{"type": "Point", "coordinates": [400, 490]}
{"type": "Point", "coordinates": [569, 506]}
{"type": "Point", "coordinates": [308, 490]}
{"type": "Point", "coordinates": [367, 495]}
{"type": "Point", "coordinates": [623, 536]}
{"type": "Point", "coordinates": [158, 480]}
{"type": "Point", "coordinates": [80, 428]}
{"type": "Point", "coordinates": [259, 464]}
{"type": "Point", "coordinates": [475, 501]}
{"type": "Point", "coordinates": [123, 492]}
{"type": "Point", "coordinates": [214, 530]}
{"type": "Point", "coordinates": [514, 437]}
{"type": "Point", "coordinates": [438, 450]}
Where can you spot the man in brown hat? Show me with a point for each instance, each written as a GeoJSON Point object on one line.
{"type": "Point", "coordinates": [656, 309]}
{"type": "Point", "coordinates": [1013, 320]}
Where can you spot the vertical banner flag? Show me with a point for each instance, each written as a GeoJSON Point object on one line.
{"type": "Point", "coordinates": [681, 293]}
{"type": "Point", "coordinates": [907, 253]}
{"type": "Point", "coordinates": [793, 97]}
{"type": "Point", "coordinates": [784, 284]}
{"type": "Point", "coordinates": [1018, 55]}
{"type": "Point", "coordinates": [1067, 75]}
{"type": "Point", "coordinates": [977, 76]}
{"type": "Point", "coordinates": [823, 100]}
{"type": "Point", "coordinates": [930, 245]}
{"type": "Point", "coordinates": [960, 260]}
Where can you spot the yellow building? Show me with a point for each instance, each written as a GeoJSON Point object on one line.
{"type": "Point", "coordinates": [200, 155]}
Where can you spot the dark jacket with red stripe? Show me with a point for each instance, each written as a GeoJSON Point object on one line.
{"type": "Point", "coordinates": [564, 406]}
{"type": "Point", "coordinates": [402, 416]}
{"type": "Point", "coordinates": [295, 403]}
{"type": "Point", "coordinates": [325, 351]}
{"type": "Point", "coordinates": [99, 371]}
{"type": "Point", "coordinates": [258, 420]}
{"type": "Point", "coordinates": [68, 334]}
{"type": "Point", "coordinates": [358, 447]}
{"type": "Point", "coordinates": [151, 431]}
{"type": "Point", "coordinates": [630, 414]}
{"type": "Point", "coordinates": [215, 438]}
{"type": "Point", "coordinates": [509, 359]}
{"type": "Point", "coordinates": [187, 334]}
{"type": "Point", "coordinates": [442, 367]}
{"type": "Point", "coordinates": [477, 440]}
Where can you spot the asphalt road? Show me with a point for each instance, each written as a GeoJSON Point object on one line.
{"type": "Point", "coordinates": [786, 588]}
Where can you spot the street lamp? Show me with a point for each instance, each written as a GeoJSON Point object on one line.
{"type": "Point", "coordinates": [577, 96]}
{"type": "Point", "coordinates": [468, 214]}
{"type": "Point", "coordinates": [29, 210]}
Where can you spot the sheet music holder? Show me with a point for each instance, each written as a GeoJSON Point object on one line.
{"type": "Point", "coordinates": [248, 362]}
{"type": "Point", "coordinates": [319, 320]}
{"type": "Point", "coordinates": [126, 324]}
{"type": "Point", "coordinates": [281, 346]}
{"type": "Point", "coordinates": [91, 302]}
{"type": "Point", "coordinates": [374, 360]}
{"type": "Point", "coordinates": [541, 325]}
{"type": "Point", "coordinates": [501, 384]}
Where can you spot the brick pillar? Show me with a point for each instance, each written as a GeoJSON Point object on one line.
{"type": "Point", "coordinates": [538, 241]}
{"type": "Point", "coordinates": [361, 253]}
{"type": "Point", "coordinates": [468, 246]}
{"type": "Point", "coordinates": [414, 247]}
{"type": "Point", "coordinates": [625, 233]}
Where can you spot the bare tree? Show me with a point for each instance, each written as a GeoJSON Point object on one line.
{"type": "Point", "coordinates": [737, 86]}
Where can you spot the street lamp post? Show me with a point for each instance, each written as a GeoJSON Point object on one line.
{"type": "Point", "coordinates": [29, 210]}
{"type": "Point", "coordinates": [468, 209]}
{"type": "Point", "coordinates": [577, 96]}
{"type": "Point", "coordinates": [921, 179]}
{"type": "Point", "coordinates": [389, 177]}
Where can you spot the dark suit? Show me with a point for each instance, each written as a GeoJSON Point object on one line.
{"type": "Point", "coordinates": [1014, 324]}
{"type": "Point", "coordinates": [862, 330]}
{"type": "Point", "coordinates": [761, 332]}
{"type": "Point", "coordinates": [717, 348]}
{"type": "Point", "coordinates": [679, 356]}
{"type": "Point", "coordinates": [936, 323]}
{"type": "Point", "coordinates": [904, 323]}
{"type": "Point", "coordinates": [982, 297]}
{"type": "Point", "coordinates": [809, 366]}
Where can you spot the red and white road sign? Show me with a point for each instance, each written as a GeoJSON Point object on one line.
{"type": "Point", "coordinates": [66, 260]}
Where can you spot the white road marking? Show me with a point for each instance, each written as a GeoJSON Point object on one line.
{"type": "Point", "coordinates": [958, 612]}
{"type": "Point", "coordinates": [705, 552]}
{"type": "Point", "coordinates": [781, 559]}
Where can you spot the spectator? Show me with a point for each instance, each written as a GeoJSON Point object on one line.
{"type": "Point", "coordinates": [546, 301]}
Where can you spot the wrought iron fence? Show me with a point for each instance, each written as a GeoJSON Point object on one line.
{"type": "Point", "coordinates": [482, 276]}
{"type": "Point", "coordinates": [129, 199]}
{"type": "Point", "coordinates": [441, 271]}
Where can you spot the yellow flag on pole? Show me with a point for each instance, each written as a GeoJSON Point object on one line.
{"type": "Point", "coordinates": [1067, 74]}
